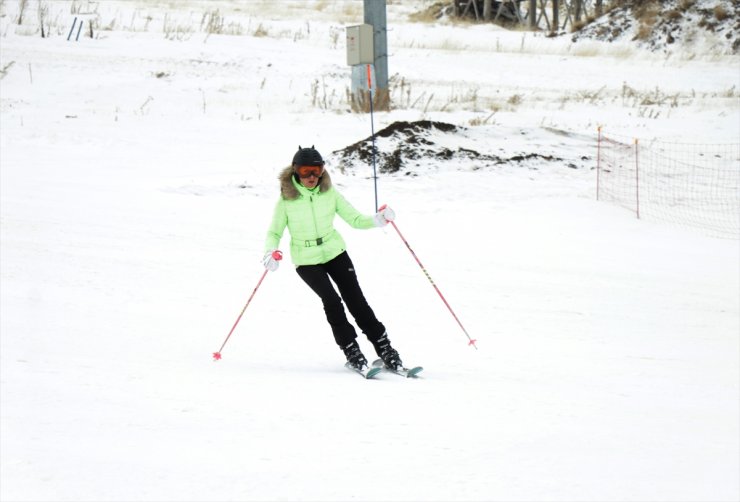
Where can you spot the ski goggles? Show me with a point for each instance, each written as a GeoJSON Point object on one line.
{"type": "Point", "coordinates": [308, 171]}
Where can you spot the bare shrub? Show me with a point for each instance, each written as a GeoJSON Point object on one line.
{"type": "Point", "coordinates": [22, 5]}
{"type": "Point", "coordinates": [260, 31]}
{"type": "Point", "coordinates": [720, 12]}
{"type": "Point", "coordinates": [175, 31]}
{"type": "Point", "coordinates": [645, 29]}
{"type": "Point", "coordinates": [334, 34]}
{"type": "Point", "coordinates": [478, 121]}
{"type": "Point", "coordinates": [673, 15]}
{"type": "Point", "coordinates": [430, 14]}
{"type": "Point", "coordinates": [212, 22]}
{"type": "Point", "coordinates": [5, 69]}
{"type": "Point", "coordinates": [729, 93]}
{"type": "Point", "coordinates": [579, 25]}
{"type": "Point", "coordinates": [43, 13]}
{"type": "Point", "coordinates": [515, 100]}
{"type": "Point", "coordinates": [592, 97]}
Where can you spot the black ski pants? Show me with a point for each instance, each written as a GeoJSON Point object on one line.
{"type": "Point", "coordinates": [342, 272]}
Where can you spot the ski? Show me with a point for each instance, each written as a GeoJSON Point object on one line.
{"type": "Point", "coordinates": [404, 372]}
{"type": "Point", "coordinates": [366, 372]}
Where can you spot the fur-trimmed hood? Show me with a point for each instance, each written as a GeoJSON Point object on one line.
{"type": "Point", "coordinates": [289, 191]}
{"type": "Point", "coordinates": [309, 217]}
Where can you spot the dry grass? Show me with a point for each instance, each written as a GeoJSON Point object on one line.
{"type": "Point", "coordinates": [212, 22]}
{"type": "Point", "coordinates": [479, 121]}
{"type": "Point", "coordinates": [260, 31]}
{"type": "Point", "coordinates": [429, 15]}
{"type": "Point", "coordinates": [647, 14]}
{"type": "Point", "coordinates": [579, 25]}
{"type": "Point", "coordinates": [720, 13]}
{"type": "Point", "coordinates": [674, 15]}
{"type": "Point", "coordinates": [174, 30]}
{"type": "Point", "coordinates": [515, 100]}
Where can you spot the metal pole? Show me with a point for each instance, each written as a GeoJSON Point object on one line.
{"type": "Point", "coordinates": [375, 15]}
{"type": "Point", "coordinates": [372, 132]}
{"type": "Point", "coordinates": [637, 179]}
{"type": "Point", "coordinates": [487, 7]}
{"type": "Point", "coordinates": [533, 14]}
{"type": "Point", "coordinates": [598, 164]}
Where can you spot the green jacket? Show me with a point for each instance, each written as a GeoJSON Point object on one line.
{"type": "Point", "coordinates": [309, 216]}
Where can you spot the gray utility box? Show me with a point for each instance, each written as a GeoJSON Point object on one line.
{"type": "Point", "coordinates": [360, 44]}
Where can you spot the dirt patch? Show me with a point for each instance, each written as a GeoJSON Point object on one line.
{"type": "Point", "coordinates": [410, 147]}
{"type": "Point", "coordinates": [657, 26]}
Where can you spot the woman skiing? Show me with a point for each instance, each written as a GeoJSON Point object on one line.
{"type": "Point", "coordinates": [307, 205]}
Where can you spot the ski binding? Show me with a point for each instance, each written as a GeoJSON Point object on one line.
{"type": "Point", "coordinates": [366, 372]}
{"type": "Point", "coordinates": [405, 372]}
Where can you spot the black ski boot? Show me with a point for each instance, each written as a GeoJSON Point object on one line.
{"type": "Point", "coordinates": [354, 355]}
{"type": "Point", "coordinates": [387, 354]}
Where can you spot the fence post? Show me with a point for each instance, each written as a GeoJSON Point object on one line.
{"type": "Point", "coordinates": [71, 30]}
{"type": "Point", "coordinates": [637, 178]}
{"type": "Point", "coordinates": [598, 163]}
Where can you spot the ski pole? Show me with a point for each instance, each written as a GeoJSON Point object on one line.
{"type": "Point", "coordinates": [471, 341]}
{"type": "Point", "coordinates": [277, 255]}
{"type": "Point", "coordinates": [372, 133]}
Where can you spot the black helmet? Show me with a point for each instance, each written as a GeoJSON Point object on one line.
{"type": "Point", "coordinates": [307, 157]}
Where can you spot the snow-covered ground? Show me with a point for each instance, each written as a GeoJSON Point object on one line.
{"type": "Point", "coordinates": [137, 179]}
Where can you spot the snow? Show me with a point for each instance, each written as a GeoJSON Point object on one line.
{"type": "Point", "coordinates": [133, 209]}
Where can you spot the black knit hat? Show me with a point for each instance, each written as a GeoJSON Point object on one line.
{"type": "Point", "coordinates": [307, 157]}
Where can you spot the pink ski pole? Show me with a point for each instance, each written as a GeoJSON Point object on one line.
{"type": "Point", "coordinates": [471, 341]}
{"type": "Point", "coordinates": [277, 255]}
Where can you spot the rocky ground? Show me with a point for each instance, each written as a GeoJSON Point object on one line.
{"type": "Point", "coordinates": [695, 25]}
{"type": "Point", "coordinates": [409, 148]}
{"type": "Point", "coordinates": [698, 26]}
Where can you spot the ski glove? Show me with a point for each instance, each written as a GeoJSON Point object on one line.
{"type": "Point", "coordinates": [384, 215]}
{"type": "Point", "coordinates": [271, 260]}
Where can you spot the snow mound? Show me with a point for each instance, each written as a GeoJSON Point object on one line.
{"type": "Point", "coordinates": [407, 147]}
{"type": "Point", "coordinates": [702, 26]}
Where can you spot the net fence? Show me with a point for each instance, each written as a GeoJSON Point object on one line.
{"type": "Point", "coordinates": [689, 185]}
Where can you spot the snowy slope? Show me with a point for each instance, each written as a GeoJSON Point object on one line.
{"type": "Point", "coordinates": [137, 177]}
{"type": "Point", "coordinates": [692, 27]}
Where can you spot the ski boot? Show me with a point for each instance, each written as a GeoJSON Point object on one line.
{"type": "Point", "coordinates": [388, 354]}
{"type": "Point", "coordinates": [355, 359]}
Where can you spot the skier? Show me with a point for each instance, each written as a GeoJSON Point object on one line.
{"type": "Point", "coordinates": [307, 205]}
